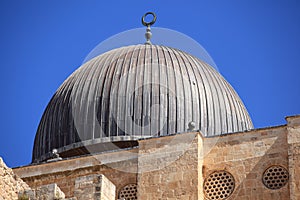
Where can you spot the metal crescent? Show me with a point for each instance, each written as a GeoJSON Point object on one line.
{"type": "Point", "coordinates": [149, 23]}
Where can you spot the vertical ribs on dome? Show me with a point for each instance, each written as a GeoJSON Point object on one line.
{"type": "Point", "coordinates": [110, 99]}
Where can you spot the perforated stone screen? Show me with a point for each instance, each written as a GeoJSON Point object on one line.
{"type": "Point", "coordinates": [218, 185]}
{"type": "Point", "coordinates": [275, 177]}
{"type": "Point", "coordinates": [129, 192]}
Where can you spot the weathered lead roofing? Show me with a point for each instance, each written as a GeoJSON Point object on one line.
{"type": "Point", "coordinates": [136, 92]}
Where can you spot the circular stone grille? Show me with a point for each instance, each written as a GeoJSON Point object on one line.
{"type": "Point", "coordinates": [275, 177]}
{"type": "Point", "coordinates": [129, 192]}
{"type": "Point", "coordinates": [219, 185]}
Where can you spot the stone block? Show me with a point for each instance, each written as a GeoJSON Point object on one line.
{"type": "Point", "coordinates": [47, 192]}
{"type": "Point", "coordinates": [26, 194]}
{"type": "Point", "coordinates": [293, 121]}
{"type": "Point", "coordinates": [94, 187]}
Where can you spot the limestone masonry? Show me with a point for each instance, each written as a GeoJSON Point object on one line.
{"type": "Point", "coordinates": [10, 183]}
{"type": "Point", "coordinates": [180, 167]}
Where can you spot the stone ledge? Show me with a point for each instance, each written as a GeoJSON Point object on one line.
{"type": "Point", "coordinates": [76, 163]}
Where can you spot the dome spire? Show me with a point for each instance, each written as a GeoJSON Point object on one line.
{"type": "Point", "coordinates": [148, 33]}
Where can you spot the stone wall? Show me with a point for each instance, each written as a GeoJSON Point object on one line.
{"type": "Point", "coordinates": [180, 166]}
{"type": "Point", "coordinates": [169, 167]}
{"type": "Point", "coordinates": [246, 156]}
{"type": "Point", "coordinates": [294, 156]}
{"type": "Point", "coordinates": [10, 183]}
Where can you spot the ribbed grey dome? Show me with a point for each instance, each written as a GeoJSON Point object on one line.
{"type": "Point", "coordinates": [135, 92]}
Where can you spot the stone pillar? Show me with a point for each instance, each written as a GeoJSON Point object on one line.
{"type": "Point", "coordinates": [200, 148]}
{"type": "Point", "coordinates": [170, 167]}
{"type": "Point", "coordinates": [293, 127]}
{"type": "Point", "coordinates": [96, 187]}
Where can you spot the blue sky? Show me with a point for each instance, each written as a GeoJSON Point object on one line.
{"type": "Point", "coordinates": [255, 44]}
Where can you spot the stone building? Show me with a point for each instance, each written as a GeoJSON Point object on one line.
{"type": "Point", "coordinates": [153, 122]}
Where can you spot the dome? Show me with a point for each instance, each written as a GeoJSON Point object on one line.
{"type": "Point", "coordinates": [137, 92]}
